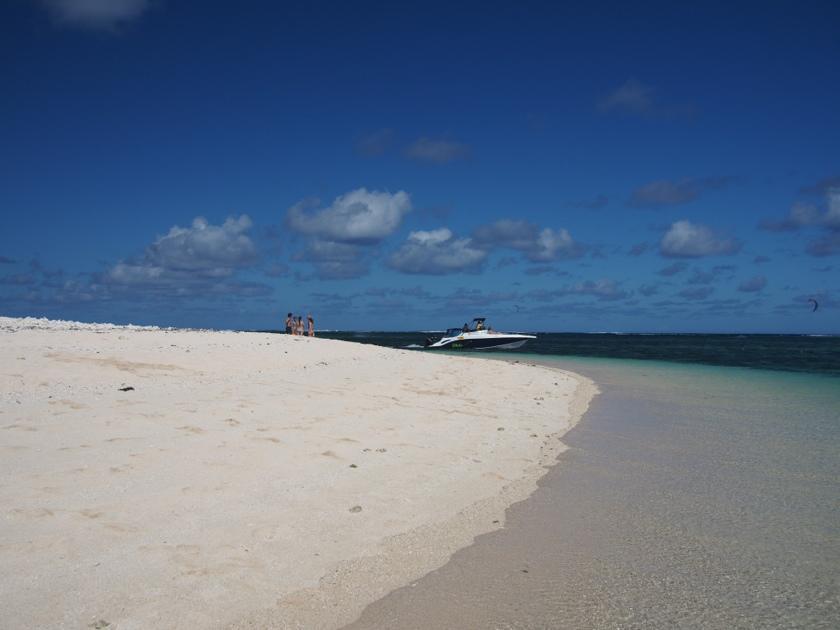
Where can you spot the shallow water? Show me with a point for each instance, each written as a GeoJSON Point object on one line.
{"type": "Point", "coordinates": [691, 496]}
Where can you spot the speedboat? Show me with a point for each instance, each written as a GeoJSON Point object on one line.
{"type": "Point", "coordinates": [478, 337]}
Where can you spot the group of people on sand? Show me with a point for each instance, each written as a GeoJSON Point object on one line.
{"type": "Point", "coordinates": [295, 325]}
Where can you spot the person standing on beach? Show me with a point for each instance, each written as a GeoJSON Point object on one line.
{"type": "Point", "coordinates": [299, 326]}
{"type": "Point", "coordinates": [289, 322]}
{"type": "Point", "coordinates": [311, 323]}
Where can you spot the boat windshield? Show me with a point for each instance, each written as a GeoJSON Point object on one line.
{"type": "Point", "coordinates": [453, 332]}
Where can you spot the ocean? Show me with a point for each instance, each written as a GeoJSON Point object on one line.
{"type": "Point", "coordinates": [796, 353]}
{"type": "Point", "coordinates": [700, 490]}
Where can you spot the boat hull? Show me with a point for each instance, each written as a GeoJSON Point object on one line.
{"type": "Point", "coordinates": [505, 343]}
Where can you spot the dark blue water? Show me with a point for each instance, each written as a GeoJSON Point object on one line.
{"type": "Point", "coordinates": [797, 353]}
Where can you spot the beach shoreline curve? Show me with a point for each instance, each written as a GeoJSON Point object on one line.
{"type": "Point", "coordinates": [220, 479]}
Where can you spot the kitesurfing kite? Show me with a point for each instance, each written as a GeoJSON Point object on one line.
{"type": "Point", "coordinates": [816, 304]}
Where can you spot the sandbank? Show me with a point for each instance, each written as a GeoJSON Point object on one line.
{"type": "Point", "coordinates": [197, 479]}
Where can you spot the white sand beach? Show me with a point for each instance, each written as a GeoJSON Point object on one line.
{"type": "Point", "coordinates": [248, 479]}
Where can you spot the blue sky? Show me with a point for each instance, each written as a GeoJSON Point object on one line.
{"type": "Point", "coordinates": [592, 167]}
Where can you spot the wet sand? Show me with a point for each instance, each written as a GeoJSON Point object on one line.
{"type": "Point", "coordinates": [195, 479]}
{"type": "Point", "coordinates": [690, 497]}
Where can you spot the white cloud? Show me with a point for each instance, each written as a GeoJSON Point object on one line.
{"type": "Point", "coordinates": [800, 215]}
{"type": "Point", "coordinates": [95, 13]}
{"type": "Point", "coordinates": [805, 215]}
{"type": "Point", "coordinates": [187, 258]}
{"type": "Point", "coordinates": [552, 244]}
{"type": "Point", "coordinates": [203, 247]}
{"type": "Point", "coordinates": [436, 252]}
{"type": "Point", "coordinates": [690, 240]}
{"type": "Point", "coordinates": [359, 216]}
{"type": "Point", "coordinates": [538, 245]}
{"type": "Point", "coordinates": [436, 151]}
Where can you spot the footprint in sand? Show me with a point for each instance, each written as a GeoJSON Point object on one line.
{"type": "Point", "coordinates": [191, 429]}
{"type": "Point", "coordinates": [33, 513]}
{"type": "Point", "coordinates": [22, 427]}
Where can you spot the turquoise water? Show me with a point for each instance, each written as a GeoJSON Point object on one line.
{"type": "Point", "coordinates": [692, 496]}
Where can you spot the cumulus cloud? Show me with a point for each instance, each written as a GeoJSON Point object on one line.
{"type": "Point", "coordinates": [804, 215]}
{"type": "Point", "coordinates": [188, 258]}
{"type": "Point", "coordinates": [690, 240]}
{"type": "Point", "coordinates": [95, 14]}
{"type": "Point", "coordinates": [664, 192]}
{"type": "Point", "coordinates": [215, 250]}
{"type": "Point", "coordinates": [538, 245]}
{"type": "Point", "coordinates": [753, 285]}
{"type": "Point", "coordinates": [436, 151]}
{"type": "Point", "coordinates": [631, 97]}
{"type": "Point", "coordinates": [359, 216]}
{"type": "Point", "coordinates": [436, 252]}
{"type": "Point", "coordinates": [800, 215]}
